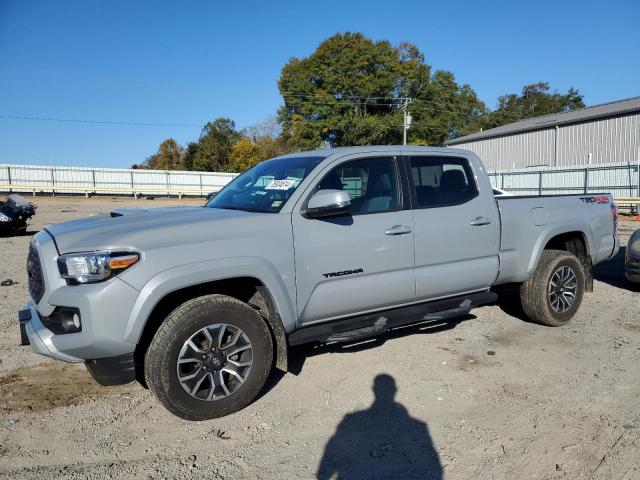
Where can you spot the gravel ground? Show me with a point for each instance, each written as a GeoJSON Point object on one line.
{"type": "Point", "coordinates": [488, 397]}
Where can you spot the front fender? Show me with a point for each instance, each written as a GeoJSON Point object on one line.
{"type": "Point", "coordinates": [192, 274]}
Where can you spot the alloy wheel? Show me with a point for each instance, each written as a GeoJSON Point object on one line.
{"type": "Point", "coordinates": [214, 362]}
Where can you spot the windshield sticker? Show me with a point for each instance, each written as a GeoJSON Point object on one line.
{"type": "Point", "coordinates": [280, 184]}
{"type": "Point", "coordinates": [296, 181]}
{"type": "Point", "coordinates": [276, 204]}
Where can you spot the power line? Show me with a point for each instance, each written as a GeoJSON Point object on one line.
{"type": "Point", "coordinates": [435, 107]}
{"type": "Point", "coordinates": [100, 122]}
{"type": "Point", "coordinates": [395, 101]}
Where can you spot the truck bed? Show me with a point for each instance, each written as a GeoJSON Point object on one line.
{"type": "Point", "coordinates": [529, 223]}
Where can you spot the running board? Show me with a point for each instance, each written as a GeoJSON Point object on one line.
{"type": "Point", "coordinates": [364, 326]}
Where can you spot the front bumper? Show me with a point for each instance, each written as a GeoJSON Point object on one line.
{"type": "Point", "coordinates": [39, 337]}
{"type": "Point", "coordinates": [104, 311]}
{"type": "Point", "coordinates": [115, 370]}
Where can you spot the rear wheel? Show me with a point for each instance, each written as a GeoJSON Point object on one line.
{"type": "Point", "coordinates": [210, 357]}
{"type": "Point", "coordinates": [554, 292]}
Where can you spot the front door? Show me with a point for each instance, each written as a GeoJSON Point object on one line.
{"type": "Point", "coordinates": [358, 262]}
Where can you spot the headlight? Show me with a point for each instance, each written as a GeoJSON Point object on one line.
{"type": "Point", "coordinates": [95, 266]}
{"type": "Point", "coordinates": [635, 245]}
{"type": "Point", "coordinates": [4, 218]}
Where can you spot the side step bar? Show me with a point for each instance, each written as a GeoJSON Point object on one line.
{"type": "Point", "coordinates": [363, 326]}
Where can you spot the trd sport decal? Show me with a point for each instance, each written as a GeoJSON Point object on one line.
{"type": "Point", "coordinates": [600, 199]}
{"type": "Point", "coordinates": [342, 273]}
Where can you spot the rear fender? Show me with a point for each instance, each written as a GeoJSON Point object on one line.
{"type": "Point", "coordinates": [553, 230]}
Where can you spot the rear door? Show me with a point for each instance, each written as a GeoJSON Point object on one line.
{"type": "Point", "coordinates": [456, 226]}
{"type": "Point", "coordinates": [362, 261]}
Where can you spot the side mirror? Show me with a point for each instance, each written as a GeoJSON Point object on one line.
{"type": "Point", "coordinates": [327, 203]}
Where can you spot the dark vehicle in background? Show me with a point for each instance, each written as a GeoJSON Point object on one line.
{"type": "Point", "coordinates": [632, 258]}
{"type": "Point", "coordinates": [14, 213]}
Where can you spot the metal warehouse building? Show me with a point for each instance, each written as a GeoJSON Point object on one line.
{"type": "Point", "coordinates": [598, 135]}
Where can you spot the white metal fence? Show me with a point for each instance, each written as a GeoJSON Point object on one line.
{"type": "Point", "coordinates": [621, 180]}
{"type": "Point", "coordinates": [50, 179]}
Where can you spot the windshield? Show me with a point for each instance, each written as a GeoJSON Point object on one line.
{"type": "Point", "coordinates": [265, 187]}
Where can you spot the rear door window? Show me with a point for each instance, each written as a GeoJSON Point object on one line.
{"type": "Point", "coordinates": [442, 181]}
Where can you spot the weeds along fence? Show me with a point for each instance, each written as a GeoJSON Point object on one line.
{"type": "Point", "coordinates": [115, 181]}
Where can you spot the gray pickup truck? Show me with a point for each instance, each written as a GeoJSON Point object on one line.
{"type": "Point", "coordinates": [201, 303]}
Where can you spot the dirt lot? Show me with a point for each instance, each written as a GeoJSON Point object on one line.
{"type": "Point", "coordinates": [488, 397]}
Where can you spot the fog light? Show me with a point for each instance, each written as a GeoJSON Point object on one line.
{"type": "Point", "coordinates": [70, 321]}
{"type": "Point", "coordinates": [63, 320]}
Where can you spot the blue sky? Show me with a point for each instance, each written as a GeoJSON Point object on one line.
{"type": "Point", "coordinates": [190, 62]}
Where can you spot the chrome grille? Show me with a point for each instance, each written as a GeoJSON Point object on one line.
{"type": "Point", "coordinates": [34, 272]}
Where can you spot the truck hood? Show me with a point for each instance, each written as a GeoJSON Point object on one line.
{"type": "Point", "coordinates": [141, 228]}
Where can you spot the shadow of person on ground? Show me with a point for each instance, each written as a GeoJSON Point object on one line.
{"type": "Point", "coordinates": [382, 442]}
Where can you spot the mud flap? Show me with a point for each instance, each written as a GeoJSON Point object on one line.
{"type": "Point", "coordinates": [587, 266]}
{"type": "Point", "coordinates": [24, 338]}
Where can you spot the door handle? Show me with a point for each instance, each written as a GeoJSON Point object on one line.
{"type": "Point", "coordinates": [398, 230]}
{"type": "Point", "coordinates": [478, 221]}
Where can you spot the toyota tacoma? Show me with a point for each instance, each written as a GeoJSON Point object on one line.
{"type": "Point", "coordinates": [201, 303]}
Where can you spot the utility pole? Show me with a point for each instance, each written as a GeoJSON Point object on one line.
{"type": "Point", "coordinates": [407, 120]}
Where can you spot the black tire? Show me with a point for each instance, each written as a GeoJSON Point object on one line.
{"type": "Point", "coordinates": [160, 366]}
{"type": "Point", "coordinates": [534, 293]}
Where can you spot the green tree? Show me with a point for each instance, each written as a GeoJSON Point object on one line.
{"type": "Point", "coordinates": [248, 152]}
{"type": "Point", "coordinates": [213, 149]}
{"type": "Point", "coordinates": [348, 92]}
{"type": "Point", "coordinates": [244, 155]}
{"type": "Point", "coordinates": [443, 109]}
{"type": "Point", "coordinates": [168, 157]}
{"type": "Point", "coordinates": [190, 155]}
{"type": "Point", "coordinates": [535, 100]}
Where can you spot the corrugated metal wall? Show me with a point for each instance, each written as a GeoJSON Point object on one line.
{"type": "Point", "coordinates": [42, 176]}
{"type": "Point", "coordinates": [611, 140]}
{"type": "Point", "coordinates": [521, 150]}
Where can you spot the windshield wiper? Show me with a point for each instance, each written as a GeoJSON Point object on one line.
{"type": "Point", "coordinates": [240, 209]}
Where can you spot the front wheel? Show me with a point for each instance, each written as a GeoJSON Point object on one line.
{"type": "Point", "coordinates": [209, 358]}
{"type": "Point", "coordinates": [554, 292]}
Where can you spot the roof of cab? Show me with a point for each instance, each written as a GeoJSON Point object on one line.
{"type": "Point", "coordinates": [328, 152]}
